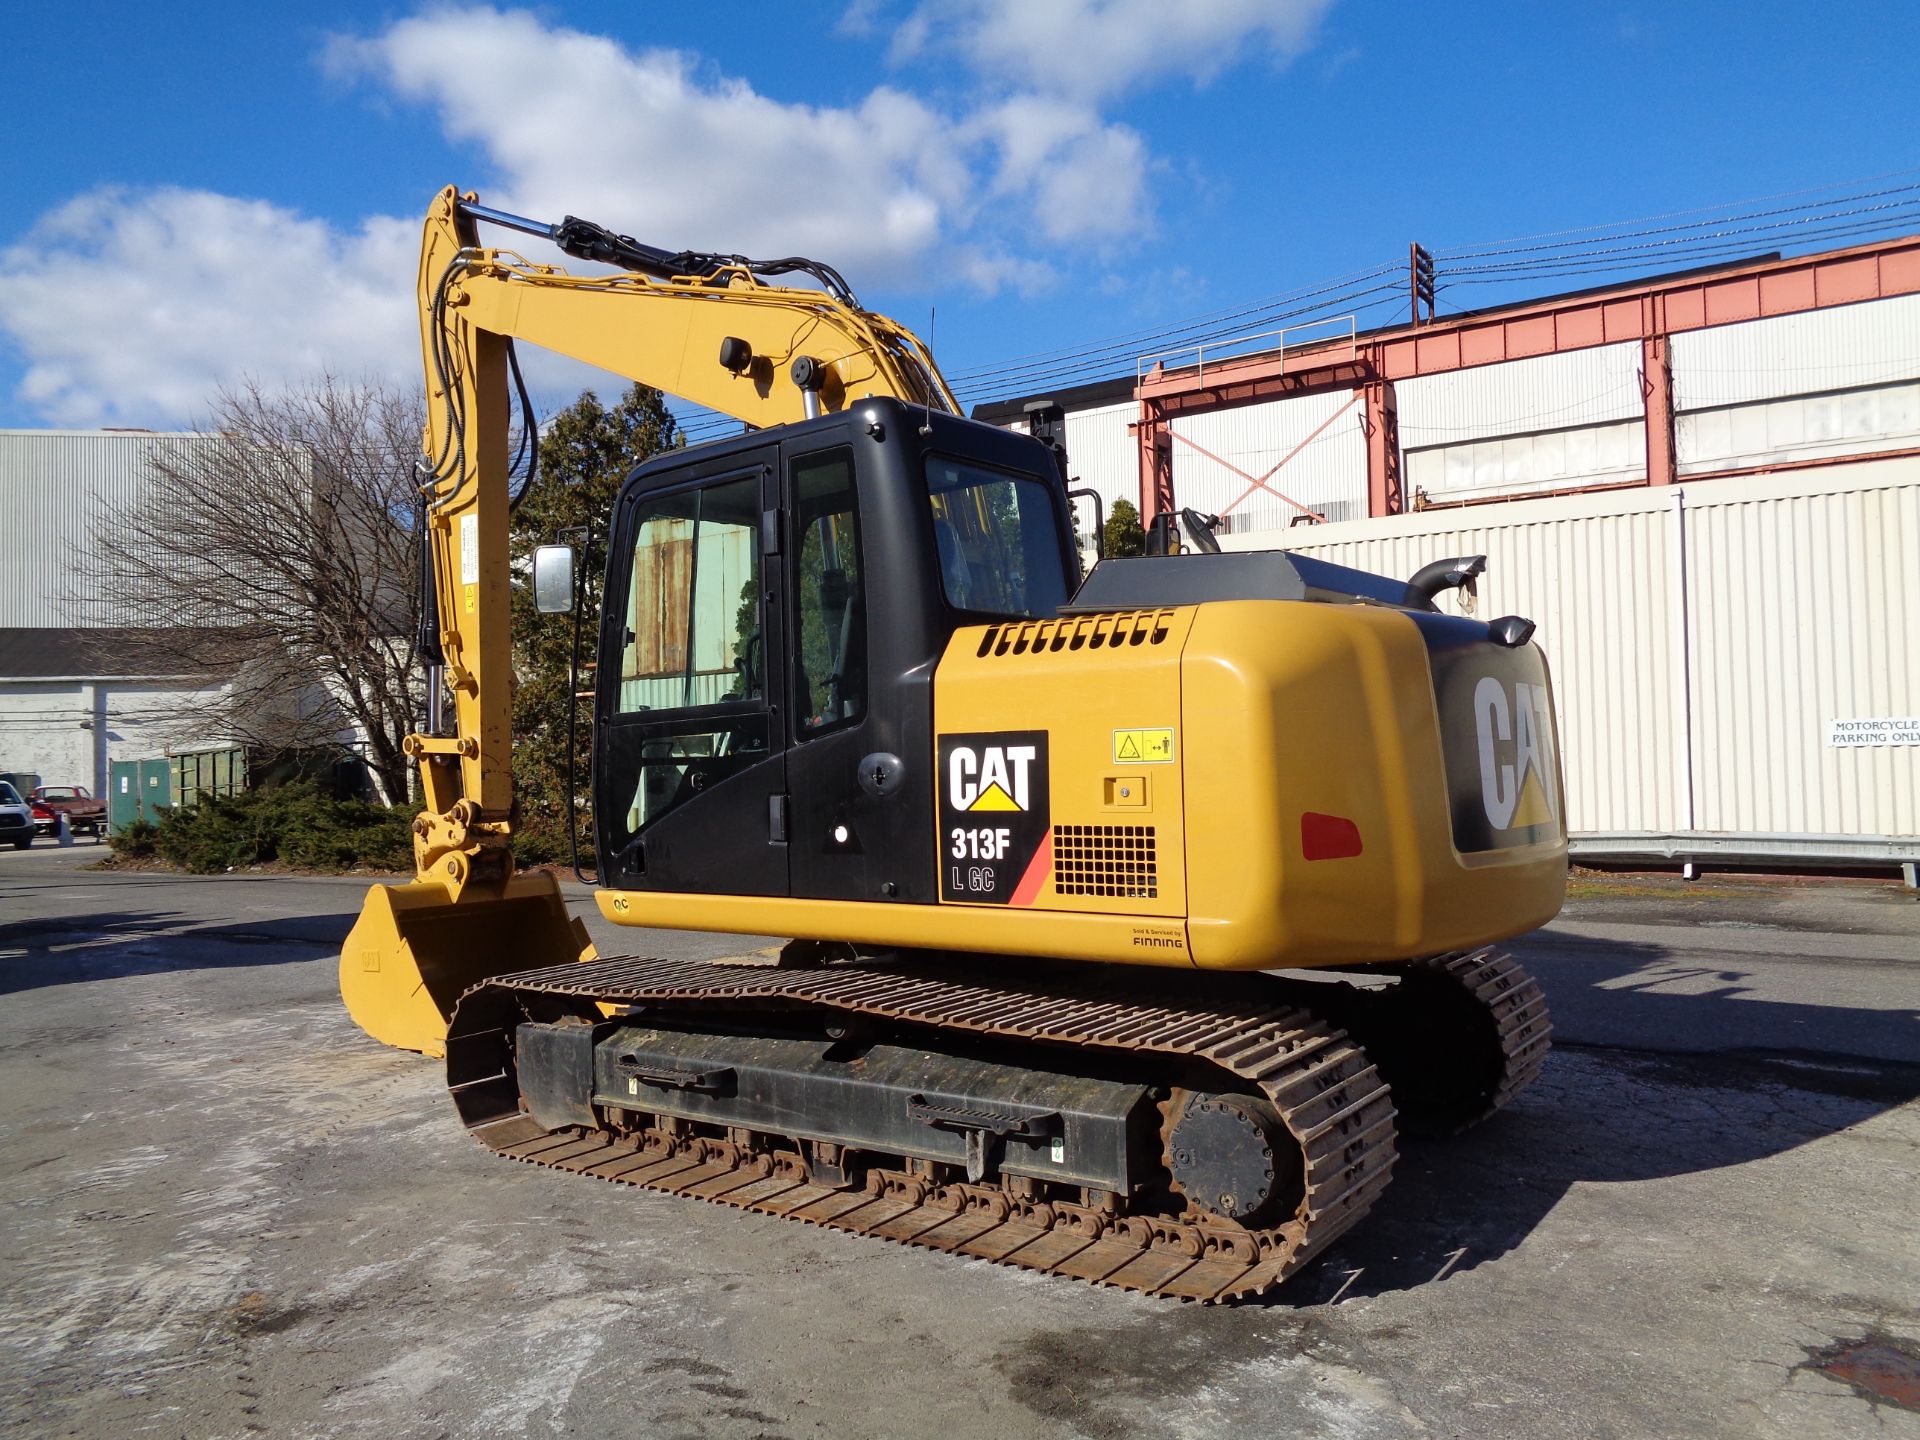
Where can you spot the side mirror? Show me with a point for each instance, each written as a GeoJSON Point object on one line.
{"type": "Point", "coordinates": [553, 579]}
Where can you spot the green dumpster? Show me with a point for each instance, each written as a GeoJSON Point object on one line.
{"type": "Point", "coordinates": [137, 790]}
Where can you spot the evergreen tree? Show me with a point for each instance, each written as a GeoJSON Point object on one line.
{"type": "Point", "coordinates": [585, 453]}
{"type": "Point", "coordinates": [1125, 535]}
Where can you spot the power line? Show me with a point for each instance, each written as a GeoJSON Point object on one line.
{"type": "Point", "coordinates": [1128, 341]}
{"type": "Point", "coordinates": [1654, 247]}
{"type": "Point", "coordinates": [1583, 251]}
{"type": "Point", "coordinates": [1700, 210]}
{"type": "Point", "coordinates": [1034, 378]}
{"type": "Point", "coordinates": [1573, 265]}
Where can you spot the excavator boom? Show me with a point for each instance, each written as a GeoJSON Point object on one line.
{"type": "Point", "coordinates": [710, 329]}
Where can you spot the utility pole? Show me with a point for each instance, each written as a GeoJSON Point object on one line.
{"type": "Point", "coordinates": [1420, 280]}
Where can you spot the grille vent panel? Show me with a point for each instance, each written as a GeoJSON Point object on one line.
{"type": "Point", "coordinates": [1116, 861]}
{"type": "Point", "coordinates": [1077, 632]}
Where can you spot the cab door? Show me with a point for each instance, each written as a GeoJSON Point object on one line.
{"type": "Point", "coordinates": [690, 755]}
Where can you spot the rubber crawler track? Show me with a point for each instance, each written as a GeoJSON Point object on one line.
{"type": "Point", "coordinates": [1518, 1007]}
{"type": "Point", "coordinates": [1321, 1083]}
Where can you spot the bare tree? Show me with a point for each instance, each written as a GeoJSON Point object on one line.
{"type": "Point", "coordinates": [277, 555]}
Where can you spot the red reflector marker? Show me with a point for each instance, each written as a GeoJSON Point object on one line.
{"type": "Point", "coordinates": [1328, 837]}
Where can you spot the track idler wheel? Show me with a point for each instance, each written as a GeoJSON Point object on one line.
{"type": "Point", "coordinates": [1232, 1156]}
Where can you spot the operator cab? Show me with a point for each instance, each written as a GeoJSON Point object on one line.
{"type": "Point", "coordinates": [774, 612]}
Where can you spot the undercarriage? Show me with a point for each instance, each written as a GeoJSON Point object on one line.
{"type": "Point", "coordinates": [1204, 1145]}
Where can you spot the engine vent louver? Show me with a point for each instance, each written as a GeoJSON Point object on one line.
{"type": "Point", "coordinates": [1076, 632]}
{"type": "Point", "coordinates": [1119, 861]}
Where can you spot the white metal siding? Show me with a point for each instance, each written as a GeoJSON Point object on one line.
{"type": "Point", "coordinates": [1799, 607]}
{"type": "Point", "coordinates": [1560, 459]}
{"type": "Point", "coordinates": [1103, 454]}
{"type": "Point", "coordinates": [56, 489]}
{"type": "Point", "coordinates": [1841, 348]}
{"type": "Point", "coordinates": [1805, 607]}
{"type": "Point", "coordinates": [1549, 422]}
{"type": "Point", "coordinates": [1800, 427]}
{"type": "Point", "coordinates": [1521, 397]}
{"type": "Point", "coordinates": [1329, 474]}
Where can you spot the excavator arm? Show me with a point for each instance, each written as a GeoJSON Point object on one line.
{"type": "Point", "coordinates": [711, 329]}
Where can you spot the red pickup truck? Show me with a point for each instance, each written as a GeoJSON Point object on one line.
{"type": "Point", "coordinates": [84, 813]}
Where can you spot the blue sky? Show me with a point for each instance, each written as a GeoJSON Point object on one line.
{"type": "Point", "coordinates": [201, 194]}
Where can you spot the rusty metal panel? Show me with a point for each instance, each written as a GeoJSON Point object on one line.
{"type": "Point", "coordinates": [657, 600]}
{"type": "Point", "coordinates": [1320, 437]}
{"type": "Point", "coordinates": [684, 613]}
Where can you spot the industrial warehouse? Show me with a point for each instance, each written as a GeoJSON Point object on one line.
{"type": "Point", "coordinates": [1688, 483]}
{"type": "Point", "coordinates": [1148, 721]}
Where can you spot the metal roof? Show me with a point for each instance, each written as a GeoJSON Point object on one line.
{"type": "Point", "coordinates": [51, 652]}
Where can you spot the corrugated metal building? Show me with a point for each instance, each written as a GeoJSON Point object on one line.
{"type": "Point", "coordinates": [70, 701]}
{"type": "Point", "coordinates": [57, 488]}
{"type": "Point", "coordinates": [1710, 642]}
{"type": "Point", "coordinates": [1705, 488]}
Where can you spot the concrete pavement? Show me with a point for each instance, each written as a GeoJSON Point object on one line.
{"type": "Point", "coordinates": [231, 1214]}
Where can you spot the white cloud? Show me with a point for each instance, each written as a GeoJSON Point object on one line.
{"type": "Point", "coordinates": [682, 159]}
{"type": "Point", "coordinates": [695, 160]}
{"type": "Point", "coordinates": [135, 307]}
{"type": "Point", "coordinates": [1082, 177]}
{"type": "Point", "coordinates": [1093, 50]}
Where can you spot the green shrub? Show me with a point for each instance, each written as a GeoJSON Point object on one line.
{"type": "Point", "coordinates": [293, 823]}
{"type": "Point", "coordinates": [135, 841]}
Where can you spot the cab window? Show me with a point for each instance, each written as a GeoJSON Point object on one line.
{"type": "Point", "coordinates": [998, 540]}
{"type": "Point", "coordinates": [693, 606]}
{"type": "Point", "coordinates": [694, 643]}
{"type": "Point", "coordinates": [830, 680]}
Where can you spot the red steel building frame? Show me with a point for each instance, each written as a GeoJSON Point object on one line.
{"type": "Point", "coordinates": [1651, 312]}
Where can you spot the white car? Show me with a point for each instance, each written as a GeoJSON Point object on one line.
{"type": "Point", "coordinates": [16, 818]}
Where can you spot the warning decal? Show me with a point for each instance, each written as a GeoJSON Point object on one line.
{"type": "Point", "coordinates": [994, 827]}
{"type": "Point", "coordinates": [1143, 747]}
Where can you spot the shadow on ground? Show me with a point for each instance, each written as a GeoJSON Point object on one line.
{"type": "Point", "coordinates": [1651, 997]}
{"type": "Point", "coordinates": [1612, 1113]}
{"type": "Point", "coordinates": [66, 951]}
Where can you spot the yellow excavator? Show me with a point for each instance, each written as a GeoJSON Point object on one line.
{"type": "Point", "coordinates": [1132, 914]}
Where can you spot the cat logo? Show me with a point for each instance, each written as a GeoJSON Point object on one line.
{"type": "Point", "coordinates": [995, 836]}
{"type": "Point", "coordinates": [990, 777]}
{"type": "Point", "coordinates": [1518, 773]}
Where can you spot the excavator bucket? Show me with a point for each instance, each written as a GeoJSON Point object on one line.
{"type": "Point", "coordinates": [414, 951]}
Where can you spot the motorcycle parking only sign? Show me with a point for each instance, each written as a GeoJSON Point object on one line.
{"type": "Point", "coordinates": [1885, 730]}
{"type": "Point", "coordinates": [993, 814]}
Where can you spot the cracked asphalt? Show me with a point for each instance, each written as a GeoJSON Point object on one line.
{"type": "Point", "coordinates": [228, 1214]}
